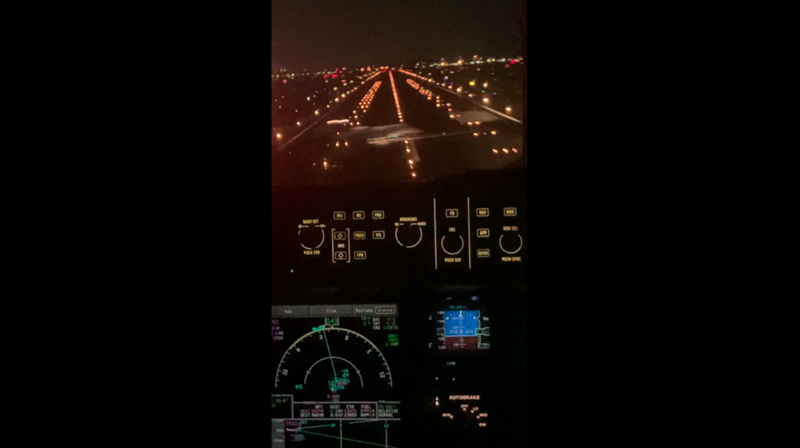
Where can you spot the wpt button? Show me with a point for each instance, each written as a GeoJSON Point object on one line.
{"type": "Point", "coordinates": [339, 216]}
{"type": "Point", "coordinates": [451, 213]}
{"type": "Point", "coordinates": [481, 212]}
{"type": "Point", "coordinates": [359, 235]}
{"type": "Point", "coordinates": [510, 211]}
{"type": "Point", "coordinates": [483, 233]}
{"type": "Point", "coordinates": [339, 236]}
{"type": "Point", "coordinates": [358, 215]}
{"type": "Point", "coordinates": [377, 214]}
{"type": "Point", "coordinates": [360, 255]}
{"type": "Point", "coordinates": [483, 253]}
{"type": "Point", "coordinates": [378, 234]}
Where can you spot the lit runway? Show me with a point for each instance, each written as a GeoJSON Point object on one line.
{"type": "Point", "coordinates": [398, 131]}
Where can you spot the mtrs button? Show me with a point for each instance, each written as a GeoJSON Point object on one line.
{"type": "Point", "coordinates": [481, 212]}
{"type": "Point", "coordinates": [483, 253]}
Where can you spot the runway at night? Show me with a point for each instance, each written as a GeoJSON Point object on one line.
{"type": "Point", "coordinates": [401, 127]}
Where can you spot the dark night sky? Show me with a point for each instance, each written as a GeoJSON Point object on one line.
{"type": "Point", "coordinates": [316, 34]}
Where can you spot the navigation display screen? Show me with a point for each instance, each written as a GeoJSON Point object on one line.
{"type": "Point", "coordinates": [333, 378]}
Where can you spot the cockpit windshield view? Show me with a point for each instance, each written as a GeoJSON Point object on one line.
{"type": "Point", "coordinates": [399, 230]}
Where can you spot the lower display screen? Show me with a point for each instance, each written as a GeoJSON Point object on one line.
{"type": "Point", "coordinates": [333, 383]}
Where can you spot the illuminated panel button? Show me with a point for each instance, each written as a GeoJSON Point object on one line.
{"type": "Point", "coordinates": [360, 235]}
{"type": "Point", "coordinates": [510, 211]}
{"type": "Point", "coordinates": [385, 310]}
{"type": "Point", "coordinates": [483, 233]}
{"type": "Point", "coordinates": [360, 255]}
{"type": "Point", "coordinates": [358, 215]}
{"type": "Point", "coordinates": [378, 234]}
{"type": "Point", "coordinates": [339, 236]}
{"type": "Point", "coordinates": [481, 212]}
{"type": "Point", "coordinates": [451, 213]}
{"type": "Point", "coordinates": [339, 216]}
{"type": "Point", "coordinates": [483, 253]}
{"type": "Point", "coordinates": [377, 214]}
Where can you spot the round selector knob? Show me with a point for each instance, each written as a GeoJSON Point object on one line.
{"type": "Point", "coordinates": [452, 244]}
{"type": "Point", "coordinates": [511, 242]}
{"type": "Point", "coordinates": [311, 237]}
{"type": "Point", "coordinates": [408, 236]}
